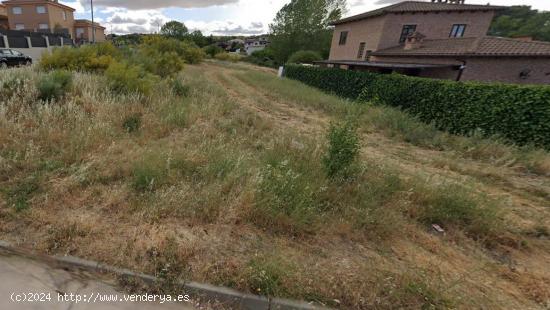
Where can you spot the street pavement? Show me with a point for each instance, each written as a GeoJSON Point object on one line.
{"type": "Point", "coordinates": [24, 279]}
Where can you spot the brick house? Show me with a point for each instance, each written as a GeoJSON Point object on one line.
{"type": "Point", "coordinates": [3, 17]}
{"type": "Point", "coordinates": [45, 16]}
{"type": "Point", "coordinates": [439, 39]}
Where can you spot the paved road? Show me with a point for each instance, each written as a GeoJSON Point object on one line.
{"type": "Point", "coordinates": [21, 275]}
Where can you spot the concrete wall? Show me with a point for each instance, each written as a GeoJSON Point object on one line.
{"type": "Point", "coordinates": [34, 52]}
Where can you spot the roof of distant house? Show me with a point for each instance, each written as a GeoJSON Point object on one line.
{"type": "Point", "coordinates": [418, 6]}
{"type": "Point", "coordinates": [87, 23]}
{"type": "Point", "coordinates": [483, 46]}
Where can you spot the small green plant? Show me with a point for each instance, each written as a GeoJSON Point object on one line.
{"type": "Point", "coordinates": [343, 149]}
{"type": "Point", "coordinates": [179, 88]}
{"type": "Point", "coordinates": [54, 85]}
{"type": "Point", "coordinates": [455, 206]}
{"type": "Point", "coordinates": [266, 275]}
{"type": "Point", "coordinates": [18, 196]}
{"type": "Point", "coordinates": [13, 86]}
{"type": "Point", "coordinates": [132, 123]}
{"type": "Point", "coordinates": [149, 174]}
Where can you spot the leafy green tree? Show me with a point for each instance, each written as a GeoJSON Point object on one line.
{"type": "Point", "coordinates": [198, 38]}
{"type": "Point", "coordinates": [522, 21]}
{"type": "Point", "coordinates": [174, 29]}
{"type": "Point", "coordinates": [304, 25]}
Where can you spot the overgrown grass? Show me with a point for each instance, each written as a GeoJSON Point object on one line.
{"type": "Point", "coordinates": [163, 183]}
{"type": "Point", "coordinates": [398, 124]}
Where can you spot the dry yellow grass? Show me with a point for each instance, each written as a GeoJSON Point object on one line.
{"type": "Point", "coordinates": [178, 197]}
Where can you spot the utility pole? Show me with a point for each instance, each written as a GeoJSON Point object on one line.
{"type": "Point", "coordinates": [93, 25]}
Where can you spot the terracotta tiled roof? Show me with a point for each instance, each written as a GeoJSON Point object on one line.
{"type": "Point", "coordinates": [484, 46]}
{"type": "Point", "coordinates": [418, 6]}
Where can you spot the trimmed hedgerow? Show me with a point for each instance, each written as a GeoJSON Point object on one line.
{"type": "Point", "coordinates": [520, 114]}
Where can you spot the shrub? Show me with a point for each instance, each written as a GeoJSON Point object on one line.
{"type": "Point", "coordinates": [304, 57]}
{"type": "Point", "coordinates": [54, 85]}
{"type": "Point", "coordinates": [344, 83]}
{"type": "Point", "coordinates": [188, 51]}
{"type": "Point", "coordinates": [343, 149]}
{"type": "Point", "coordinates": [125, 78]}
{"type": "Point", "coordinates": [163, 64]}
{"type": "Point", "coordinates": [96, 57]}
{"type": "Point", "coordinates": [520, 114]}
{"type": "Point", "coordinates": [228, 57]}
{"type": "Point", "coordinates": [212, 50]}
{"type": "Point", "coordinates": [263, 57]}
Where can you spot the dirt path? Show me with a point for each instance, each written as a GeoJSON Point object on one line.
{"type": "Point", "coordinates": [504, 183]}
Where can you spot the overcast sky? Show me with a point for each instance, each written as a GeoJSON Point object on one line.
{"type": "Point", "coordinates": [219, 17]}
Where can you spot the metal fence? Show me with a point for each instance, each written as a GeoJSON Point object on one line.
{"type": "Point", "coordinates": [18, 42]}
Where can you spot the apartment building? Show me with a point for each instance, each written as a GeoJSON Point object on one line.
{"type": "Point", "coordinates": [445, 39]}
{"type": "Point", "coordinates": [49, 16]}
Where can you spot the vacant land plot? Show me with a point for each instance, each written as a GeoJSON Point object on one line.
{"type": "Point", "coordinates": [220, 179]}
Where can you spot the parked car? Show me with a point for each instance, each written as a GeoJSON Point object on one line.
{"type": "Point", "coordinates": [13, 58]}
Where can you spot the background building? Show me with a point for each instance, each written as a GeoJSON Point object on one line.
{"type": "Point", "coordinates": [446, 40]}
{"type": "Point", "coordinates": [49, 16]}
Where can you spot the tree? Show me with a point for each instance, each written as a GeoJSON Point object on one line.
{"type": "Point", "coordinates": [521, 20]}
{"type": "Point", "coordinates": [174, 29]}
{"type": "Point", "coordinates": [304, 25]}
{"type": "Point", "coordinates": [197, 37]}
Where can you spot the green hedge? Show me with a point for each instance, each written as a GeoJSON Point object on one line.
{"type": "Point", "coordinates": [517, 113]}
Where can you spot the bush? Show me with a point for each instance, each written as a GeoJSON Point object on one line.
{"type": "Point", "coordinates": [212, 50]}
{"type": "Point", "coordinates": [228, 57]}
{"type": "Point", "coordinates": [188, 51]}
{"type": "Point", "coordinates": [304, 57]}
{"type": "Point", "coordinates": [343, 150]}
{"type": "Point", "coordinates": [520, 114]}
{"type": "Point", "coordinates": [125, 78]}
{"type": "Point", "coordinates": [54, 85]}
{"type": "Point", "coordinates": [263, 57]}
{"type": "Point", "coordinates": [94, 58]}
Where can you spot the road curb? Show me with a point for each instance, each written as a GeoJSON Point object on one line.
{"type": "Point", "coordinates": [220, 294]}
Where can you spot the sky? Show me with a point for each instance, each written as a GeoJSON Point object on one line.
{"type": "Point", "coordinates": [218, 17]}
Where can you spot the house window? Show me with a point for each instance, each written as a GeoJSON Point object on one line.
{"type": "Point", "coordinates": [41, 9]}
{"type": "Point", "coordinates": [64, 15]}
{"type": "Point", "coordinates": [19, 26]}
{"type": "Point", "coordinates": [343, 37]}
{"type": "Point", "coordinates": [361, 50]}
{"type": "Point", "coordinates": [457, 31]}
{"type": "Point", "coordinates": [79, 32]}
{"type": "Point", "coordinates": [43, 26]}
{"type": "Point", "coordinates": [407, 30]}
{"type": "Point", "coordinates": [17, 10]}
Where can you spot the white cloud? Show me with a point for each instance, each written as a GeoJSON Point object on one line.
{"type": "Point", "coordinates": [158, 4]}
